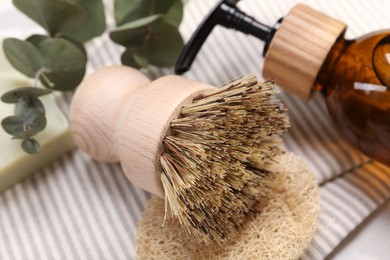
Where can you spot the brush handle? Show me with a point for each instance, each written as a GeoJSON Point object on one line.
{"type": "Point", "coordinates": [97, 110]}
{"type": "Point", "coordinates": [118, 115]}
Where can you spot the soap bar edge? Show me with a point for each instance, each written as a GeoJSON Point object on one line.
{"type": "Point", "coordinates": [16, 174]}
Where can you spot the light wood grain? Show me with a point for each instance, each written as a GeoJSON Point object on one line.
{"type": "Point", "coordinates": [148, 123]}
{"type": "Point", "coordinates": [299, 48]}
{"type": "Point", "coordinates": [96, 112]}
{"type": "Point", "coordinates": [116, 114]}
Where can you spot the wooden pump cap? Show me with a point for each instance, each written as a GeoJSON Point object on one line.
{"type": "Point", "coordinates": [118, 115]}
{"type": "Point", "coordinates": [299, 48]}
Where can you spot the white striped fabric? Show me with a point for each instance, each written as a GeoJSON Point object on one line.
{"type": "Point", "coordinates": [346, 202]}
{"type": "Point", "coordinates": [80, 209]}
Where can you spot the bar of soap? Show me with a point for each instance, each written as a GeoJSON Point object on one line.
{"type": "Point", "coordinates": [55, 140]}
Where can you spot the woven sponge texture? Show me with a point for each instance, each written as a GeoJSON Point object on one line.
{"type": "Point", "coordinates": [282, 230]}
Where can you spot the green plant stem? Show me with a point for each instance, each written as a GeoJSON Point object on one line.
{"type": "Point", "coordinates": [45, 78]}
{"type": "Point", "coordinates": [146, 39]}
{"type": "Point", "coordinates": [39, 73]}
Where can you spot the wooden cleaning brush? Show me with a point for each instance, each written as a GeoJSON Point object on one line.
{"type": "Point", "coordinates": [205, 149]}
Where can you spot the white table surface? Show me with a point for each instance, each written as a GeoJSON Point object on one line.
{"type": "Point", "coordinates": [371, 241]}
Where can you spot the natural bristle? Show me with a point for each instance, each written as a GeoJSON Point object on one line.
{"type": "Point", "coordinates": [214, 168]}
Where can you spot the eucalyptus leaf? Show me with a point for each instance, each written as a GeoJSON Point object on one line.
{"type": "Point", "coordinates": [142, 61]}
{"type": "Point", "coordinates": [24, 105]}
{"type": "Point", "coordinates": [64, 64]}
{"type": "Point", "coordinates": [15, 95]}
{"type": "Point", "coordinates": [161, 7]}
{"type": "Point", "coordinates": [56, 16]}
{"type": "Point", "coordinates": [129, 58]}
{"type": "Point", "coordinates": [174, 14]}
{"type": "Point", "coordinates": [30, 146]}
{"type": "Point", "coordinates": [134, 9]}
{"type": "Point", "coordinates": [133, 33]}
{"type": "Point", "coordinates": [35, 39]}
{"type": "Point", "coordinates": [23, 56]}
{"type": "Point", "coordinates": [35, 122]}
{"type": "Point", "coordinates": [13, 125]}
{"type": "Point", "coordinates": [138, 23]}
{"type": "Point", "coordinates": [163, 46]}
{"type": "Point", "coordinates": [78, 44]}
{"type": "Point", "coordinates": [24, 126]}
{"type": "Point", "coordinates": [94, 25]}
{"type": "Point", "coordinates": [131, 10]}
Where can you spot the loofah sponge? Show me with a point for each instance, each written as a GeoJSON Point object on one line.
{"type": "Point", "coordinates": [282, 230]}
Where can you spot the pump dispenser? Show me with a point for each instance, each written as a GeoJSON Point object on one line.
{"type": "Point", "coordinates": [306, 52]}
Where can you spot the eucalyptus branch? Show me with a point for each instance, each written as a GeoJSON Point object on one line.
{"type": "Point", "coordinates": [149, 31]}
{"type": "Point", "coordinates": [57, 60]}
{"type": "Point", "coordinates": [39, 73]}
{"type": "Point", "coordinates": [46, 79]}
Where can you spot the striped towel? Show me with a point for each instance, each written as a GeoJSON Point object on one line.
{"type": "Point", "coordinates": [77, 208]}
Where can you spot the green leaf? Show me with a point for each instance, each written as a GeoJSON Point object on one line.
{"type": "Point", "coordinates": [127, 34]}
{"type": "Point", "coordinates": [15, 95]}
{"type": "Point", "coordinates": [163, 46]}
{"type": "Point", "coordinates": [161, 7]}
{"type": "Point", "coordinates": [34, 122]}
{"type": "Point", "coordinates": [24, 105]}
{"type": "Point", "coordinates": [35, 39]}
{"type": "Point", "coordinates": [23, 56]}
{"type": "Point", "coordinates": [13, 125]}
{"type": "Point", "coordinates": [142, 61]}
{"type": "Point", "coordinates": [56, 16]}
{"type": "Point", "coordinates": [94, 25]}
{"type": "Point", "coordinates": [130, 58]}
{"type": "Point", "coordinates": [131, 10]}
{"type": "Point", "coordinates": [159, 43]}
{"type": "Point", "coordinates": [24, 126]}
{"type": "Point", "coordinates": [31, 146]}
{"type": "Point", "coordinates": [78, 44]}
{"type": "Point", "coordinates": [138, 23]}
{"type": "Point", "coordinates": [64, 64]}
{"type": "Point", "coordinates": [174, 14]}
{"type": "Point", "coordinates": [135, 9]}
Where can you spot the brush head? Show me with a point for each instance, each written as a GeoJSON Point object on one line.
{"type": "Point", "coordinates": [215, 162]}
{"type": "Point", "coordinates": [206, 150]}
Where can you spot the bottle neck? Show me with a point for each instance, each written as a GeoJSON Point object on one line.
{"type": "Point", "coordinates": [299, 48]}
{"type": "Point", "coordinates": [324, 77]}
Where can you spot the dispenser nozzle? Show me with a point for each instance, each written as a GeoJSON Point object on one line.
{"type": "Point", "coordinates": [227, 14]}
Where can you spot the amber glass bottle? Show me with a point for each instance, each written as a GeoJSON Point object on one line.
{"type": "Point", "coordinates": [355, 80]}
{"type": "Point", "coordinates": [308, 53]}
